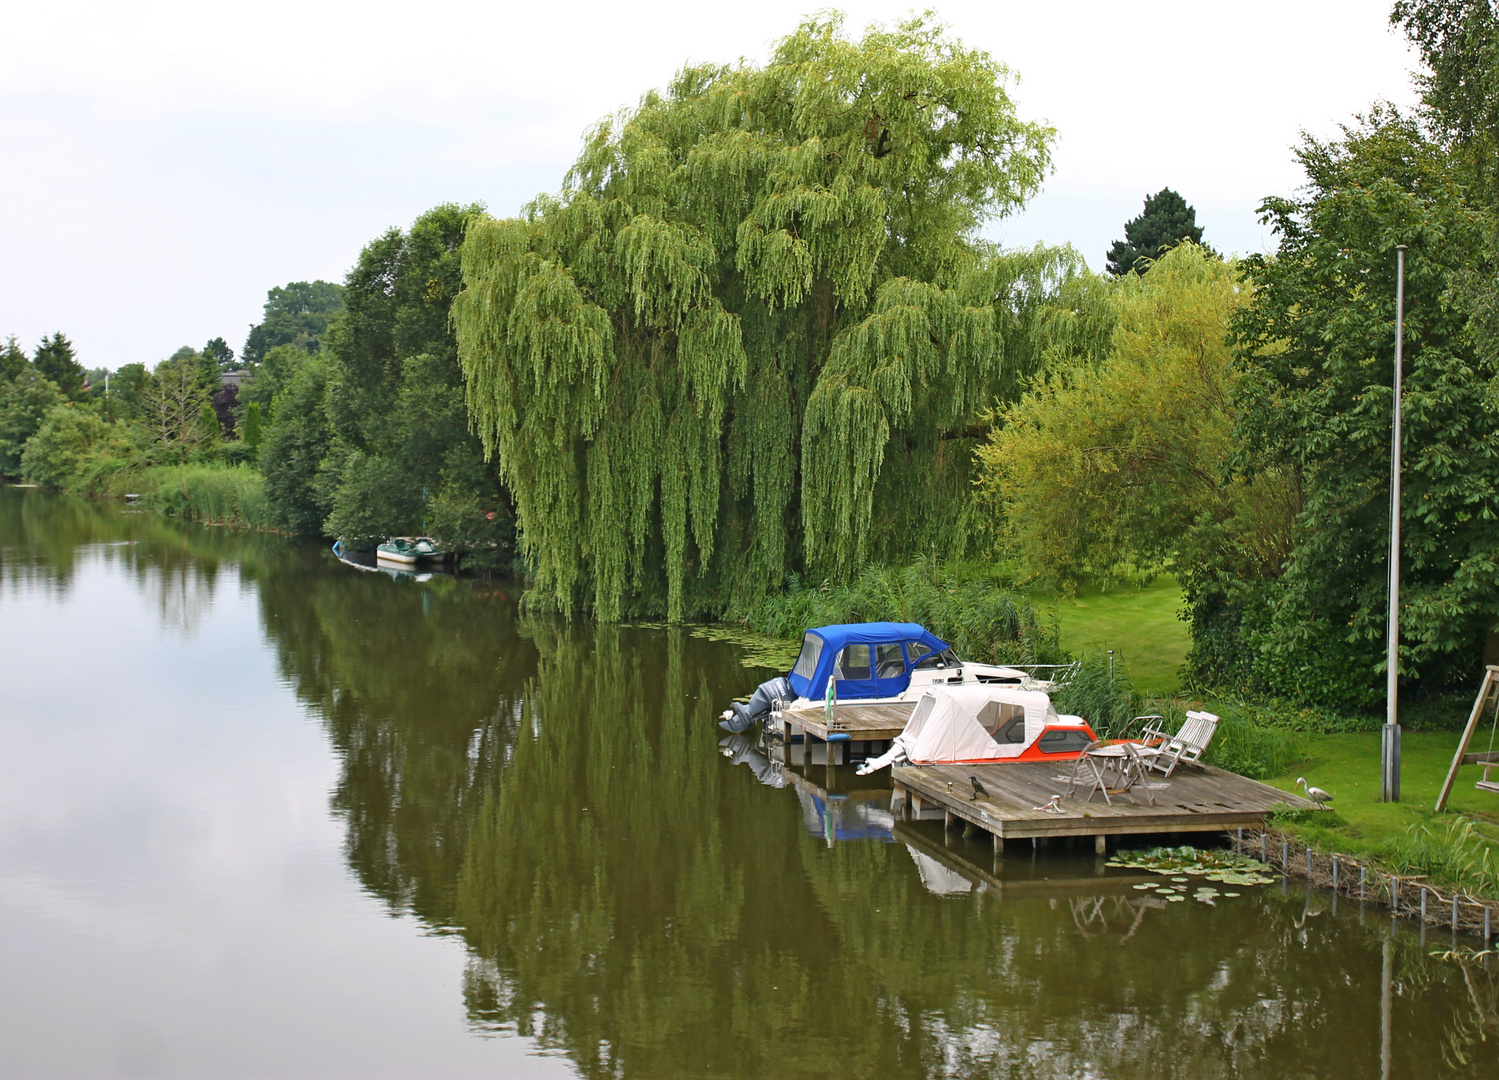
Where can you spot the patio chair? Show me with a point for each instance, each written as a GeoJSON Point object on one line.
{"type": "Point", "coordinates": [1164, 752]}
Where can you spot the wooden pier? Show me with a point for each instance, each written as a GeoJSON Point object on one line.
{"type": "Point", "coordinates": [1196, 798]}
{"type": "Point", "coordinates": [862, 730]}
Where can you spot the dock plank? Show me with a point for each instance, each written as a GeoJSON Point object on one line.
{"type": "Point", "coordinates": [1193, 799]}
{"type": "Point", "coordinates": [864, 722]}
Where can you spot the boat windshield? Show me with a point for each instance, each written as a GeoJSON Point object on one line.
{"type": "Point", "coordinates": [806, 663]}
{"type": "Point", "coordinates": [929, 659]}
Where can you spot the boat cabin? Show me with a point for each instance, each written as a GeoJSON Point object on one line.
{"type": "Point", "coordinates": [872, 660]}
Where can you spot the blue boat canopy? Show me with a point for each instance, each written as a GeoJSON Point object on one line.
{"type": "Point", "coordinates": [868, 660]}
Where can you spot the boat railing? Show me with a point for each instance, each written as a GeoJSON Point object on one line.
{"type": "Point", "coordinates": [1064, 673]}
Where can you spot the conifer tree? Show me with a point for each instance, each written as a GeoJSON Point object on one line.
{"type": "Point", "coordinates": [13, 359]}
{"type": "Point", "coordinates": [759, 308]}
{"type": "Point", "coordinates": [1166, 221]}
{"type": "Point", "coordinates": [55, 359]}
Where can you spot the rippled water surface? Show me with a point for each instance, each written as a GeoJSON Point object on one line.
{"type": "Point", "coordinates": [262, 814]}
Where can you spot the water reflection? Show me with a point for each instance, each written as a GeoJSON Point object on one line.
{"type": "Point", "coordinates": [556, 797]}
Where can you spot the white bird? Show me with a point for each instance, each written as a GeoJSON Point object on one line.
{"type": "Point", "coordinates": [1316, 794]}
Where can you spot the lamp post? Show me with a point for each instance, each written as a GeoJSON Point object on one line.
{"type": "Point", "coordinates": [1389, 788]}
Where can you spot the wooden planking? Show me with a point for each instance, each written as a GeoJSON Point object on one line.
{"type": "Point", "coordinates": [1194, 799]}
{"type": "Point", "coordinates": [858, 721]}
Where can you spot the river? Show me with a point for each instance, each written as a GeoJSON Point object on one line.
{"type": "Point", "coordinates": [265, 815]}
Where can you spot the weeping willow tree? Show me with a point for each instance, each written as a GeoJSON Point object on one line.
{"type": "Point", "coordinates": [757, 329]}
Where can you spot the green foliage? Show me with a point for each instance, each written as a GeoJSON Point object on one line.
{"type": "Point", "coordinates": [1111, 469]}
{"type": "Point", "coordinates": [1252, 749]}
{"type": "Point", "coordinates": [1101, 694]}
{"type": "Point", "coordinates": [372, 500]}
{"type": "Point", "coordinates": [296, 314]}
{"type": "Point", "coordinates": [76, 450]}
{"type": "Point", "coordinates": [24, 401]}
{"type": "Point", "coordinates": [1314, 400]}
{"type": "Point", "coordinates": [293, 450]}
{"type": "Point", "coordinates": [57, 362]}
{"type": "Point", "coordinates": [228, 495]}
{"type": "Point", "coordinates": [13, 359]}
{"type": "Point", "coordinates": [218, 354]}
{"type": "Point", "coordinates": [757, 270]}
{"type": "Point", "coordinates": [175, 408]}
{"type": "Point", "coordinates": [253, 429]}
{"type": "Point", "coordinates": [1457, 854]}
{"type": "Point", "coordinates": [983, 621]}
{"type": "Point", "coordinates": [1166, 221]}
{"type": "Point", "coordinates": [269, 378]}
{"type": "Point", "coordinates": [1459, 43]}
{"type": "Point", "coordinates": [125, 399]}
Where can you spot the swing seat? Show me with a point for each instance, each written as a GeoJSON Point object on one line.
{"type": "Point", "coordinates": [1488, 785]}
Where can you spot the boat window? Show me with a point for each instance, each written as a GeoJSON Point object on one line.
{"type": "Point", "coordinates": [1013, 731]}
{"type": "Point", "coordinates": [916, 650]}
{"type": "Point", "coordinates": [806, 663]}
{"type": "Point", "coordinates": [889, 664]}
{"type": "Point", "coordinates": [1004, 721]}
{"type": "Point", "coordinates": [853, 663]}
{"type": "Point", "coordinates": [1064, 741]}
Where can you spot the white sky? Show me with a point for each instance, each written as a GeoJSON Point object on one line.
{"type": "Point", "coordinates": [167, 162]}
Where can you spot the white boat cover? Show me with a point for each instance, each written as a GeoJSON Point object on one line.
{"type": "Point", "coordinates": [958, 723]}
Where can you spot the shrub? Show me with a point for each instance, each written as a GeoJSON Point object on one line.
{"type": "Point", "coordinates": [77, 450]}
{"type": "Point", "coordinates": [981, 620]}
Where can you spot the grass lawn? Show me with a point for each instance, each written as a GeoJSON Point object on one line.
{"type": "Point", "coordinates": [1140, 625]}
{"type": "Point", "coordinates": [1348, 767]}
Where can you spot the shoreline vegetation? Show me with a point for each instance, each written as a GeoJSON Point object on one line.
{"type": "Point", "coordinates": [755, 367]}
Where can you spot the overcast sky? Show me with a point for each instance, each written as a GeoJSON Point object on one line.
{"type": "Point", "coordinates": [166, 162]}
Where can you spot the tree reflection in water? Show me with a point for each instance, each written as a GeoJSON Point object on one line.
{"type": "Point", "coordinates": [554, 793]}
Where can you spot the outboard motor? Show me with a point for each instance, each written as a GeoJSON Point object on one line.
{"type": "Point", "coordinates": [737, 717]}
{"type": "Point", "coordinates": [740, 751]}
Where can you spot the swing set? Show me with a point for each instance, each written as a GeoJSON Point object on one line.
{"type": "Point", "coordinates": [1488, 701]}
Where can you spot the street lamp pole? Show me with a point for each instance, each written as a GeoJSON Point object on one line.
{"type": "Point", "coordinates": [1389, 788]}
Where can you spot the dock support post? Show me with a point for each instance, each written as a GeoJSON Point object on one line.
{"type": "Point", "coordinates": [1487, 928]}
{"type": "Point", "coordinates": [1334, 873]}
{"type": "Point", "coordinates": [1100, 844]}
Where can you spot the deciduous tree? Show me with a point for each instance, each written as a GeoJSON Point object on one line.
{"type": "Point", "coordinates": [1117, 469]}
{"type": "Point", "coordinates": [295, 314]}
{"type": "Point", "coordinates": [746, 335]}
{"type": "Point", "coordinates": [175, 407]}
{"type": "Point", "coordinates": [1315, 398]}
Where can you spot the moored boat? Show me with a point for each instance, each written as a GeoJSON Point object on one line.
{"type": "Point", "coordinates": [409, 550]}
{"type": "Point", "coordinates": [871, 663]}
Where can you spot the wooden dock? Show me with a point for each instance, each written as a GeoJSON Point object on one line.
{"type": "Point", "coordinates": [864, 724]}
{"type": "Point", "coordinates": [1196, 798]}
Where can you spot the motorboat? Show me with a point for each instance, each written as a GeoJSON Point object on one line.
{"type": "Point", "coordinates": [410, 550]}
{"type": "Point", "coordinates": [871, 663]}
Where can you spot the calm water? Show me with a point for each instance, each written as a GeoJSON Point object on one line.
{"type": "Point", "coordinates": [265, 815]}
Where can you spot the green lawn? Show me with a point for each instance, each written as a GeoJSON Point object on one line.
{"type": "Point", "coordinates": [1139, 624]}
{"type": "Point", "coordinates": [1347, 766]}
